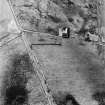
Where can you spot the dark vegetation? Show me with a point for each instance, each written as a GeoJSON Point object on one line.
{"type": "Point", "coordinates": [100, 97]}
{"type": "Point", "coordinates": [67, 2]}
{"type": "Point", "coordinates": [51, 30]}
{"type": "Point", "coordinates": [64, 99]}
{"type": "Point", "coordinates": [54, 19]}
{"type": "Point", "coordinates": [82, 32]}
{"type": "Point", "coordinates": [15, 80]}
{"type": "Point", "coordinates": [27, 5]}
{"type": "Point", "coordinates": [16, 95]}
{"type": "Point", "coordinates": [70, 19]}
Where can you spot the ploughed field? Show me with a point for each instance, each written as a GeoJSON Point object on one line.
{"type": "Point", "coordinates": [19, 83]}
{"type": "Point", "coordinates": [71, 69]}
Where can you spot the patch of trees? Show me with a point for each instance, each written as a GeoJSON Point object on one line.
{"type": "Point", "coordinates": [64, 98]}
{"type": "Point", "coordinates": [90, 16]}
{"type": "Point", "coordinates": [54, 19]}
{"type": "Point", "coordinates": [52, 31]}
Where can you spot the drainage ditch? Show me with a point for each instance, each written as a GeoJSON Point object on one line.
{"type": "Point", "coordinates": [99, 97]}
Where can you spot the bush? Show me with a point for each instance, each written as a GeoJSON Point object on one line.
{"type": "Point", "coordinates": [51, 30]}
{"type": "Point", "coordinates": [64, 98]}
{"type": "Point", "coordinates": [55, 19]}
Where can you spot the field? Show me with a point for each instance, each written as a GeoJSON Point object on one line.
{"type": "Point", "coordinates": [71, 69]}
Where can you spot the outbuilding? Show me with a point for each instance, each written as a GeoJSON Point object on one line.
{"type": "Point", "coordinates": [64, 32]}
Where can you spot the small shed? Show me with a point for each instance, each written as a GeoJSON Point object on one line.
{"type": "Point", "coordinates": [64, 32]}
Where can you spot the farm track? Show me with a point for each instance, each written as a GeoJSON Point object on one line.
{"type": "Point", "coordinates": [33, 57]}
